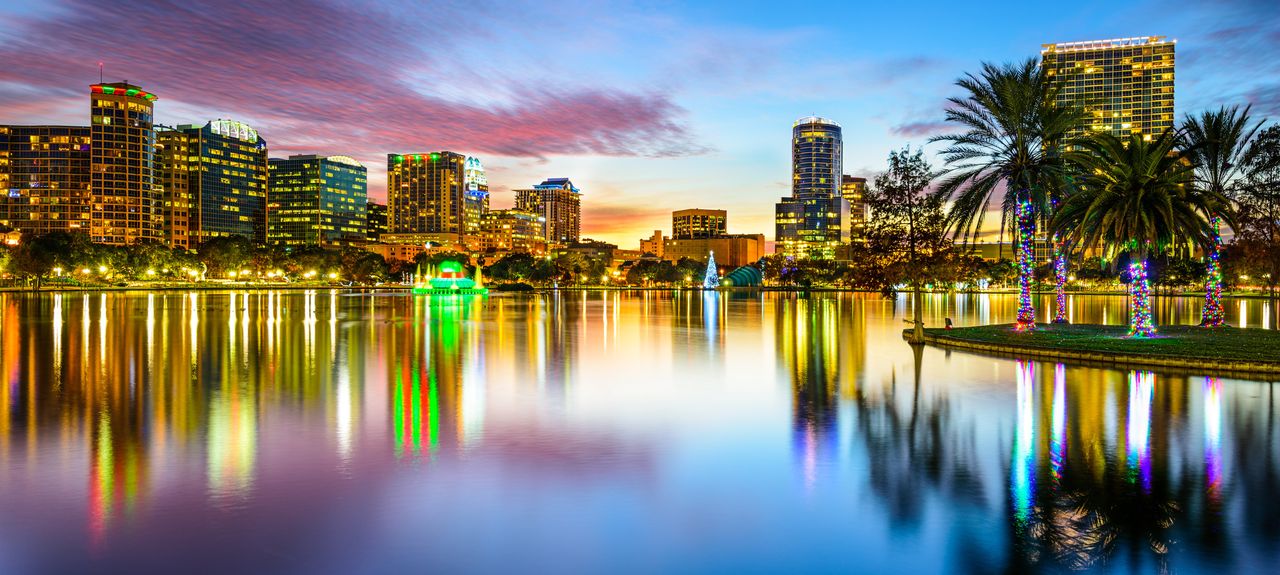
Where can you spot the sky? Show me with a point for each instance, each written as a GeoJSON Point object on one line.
{"type": "Point", "coordinates": [648, 107]}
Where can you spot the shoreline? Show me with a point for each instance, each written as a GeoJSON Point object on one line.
{"type": "Point", "coordinates": [1187, 349]}
{"type": "Point", "coordinates": [397, 287]}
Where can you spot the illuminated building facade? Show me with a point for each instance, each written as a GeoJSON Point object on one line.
{"type": "Point", "coordinates": [812, 222]}
{"type": "Point", "coordinates": [226, 177]}
{"type": "Point", "coordinates": [1125, 85]}
{"type": "Point", "coordinates": [375, 221]}
{"type": "Point", "coordinates": [513, 231]}
{"type": "Point", "coordinates": [698, 223]}
{"type": "Point", "coordinates": [44, 178]}
{"type": "Point", "coordinates": [655, 244]}
{"type": "Point", "coordinates": [731, 250]}
{"type": "Point", "coordinates": [316, 200]}
{"type": "Point", "coordinates": [475, 199]}
{"type": "Point", "coordinates": [126, 194]}
{"type": "Point", "coordinates": [853, 190]}
{"type": "Point", "coordinates": [559, 202]}
{"type": "Point", "coordinates": [174, 167]}
{"type": "Point", "coordinates": [427, 194]}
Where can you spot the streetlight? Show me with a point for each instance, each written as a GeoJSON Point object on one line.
{"type": "Point", "coordinates": [151, 272]}
{"type": "Point", "coordinates": [58, 270]}
{"type": "Point", "coordinates": [102, 269]}
{"type": "Point", "coordinates": [333, 276]}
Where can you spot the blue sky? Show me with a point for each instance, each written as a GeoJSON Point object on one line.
{"type": "Point", "coordinates": [647, 106]}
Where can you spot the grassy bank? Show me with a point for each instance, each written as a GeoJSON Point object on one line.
{"type": "Point", "coordinates": [1225, 349]}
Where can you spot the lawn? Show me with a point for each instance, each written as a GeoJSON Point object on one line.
{"type": "Point", "coordinates": [1186, 342]}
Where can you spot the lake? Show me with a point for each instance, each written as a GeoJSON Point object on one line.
{"type": "Point", "coordinates": [607, 431]}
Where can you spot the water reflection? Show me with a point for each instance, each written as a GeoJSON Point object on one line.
{"type": "Point", "coordinates": [289, 420]}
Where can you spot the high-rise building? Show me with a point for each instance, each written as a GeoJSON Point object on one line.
{"type": "Point", "coordinates": [655, 244]}
{"type": "Point", "coordinates": [475, 199]}
{"type": "Point", "coordinates": [559, 202]}
{"type": "Point", "coordinates": [1124, 85]}
{"type": "Point", "coordinates": [375, 221]}
{"type": "Point", "coordinates": [698, 223]}
{"type": "Point", "coordinates": [174, 168]}
{"type": "Point", "coordinates": [316, 200]}
{"type": "Point", "coordinates": [126, 195]}
{"type": "Point", "coordinates": [813, 221]}
{"type": "Point", "coordinates": [427, 194]}
{"type": "Point", "coordinates": [44, 178]}
{"type": "Point", "coordinates": [225, 172]}
{"type": "Point", "coordinates": [512, 231]}
{"type": "Point", "coordinates": [853, 189]}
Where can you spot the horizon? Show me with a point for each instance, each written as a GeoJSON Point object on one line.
{"type": "Point", "coordinates": [647, 111]}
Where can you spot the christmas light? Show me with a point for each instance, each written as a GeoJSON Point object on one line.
{"type": "Point", "coordinates": [1060, 278]}
{"type": "Point", "coordinates": [1213, 314]}
{"type": "Point", "coordinates": [1140, 323]}
{"type": "Point", "coordinates": [1026, 265]}
{"type": "Point", "coordinates": [712, 278]}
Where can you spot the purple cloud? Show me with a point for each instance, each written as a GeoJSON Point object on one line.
{"type": "Point", "coordinates": [312, 73]}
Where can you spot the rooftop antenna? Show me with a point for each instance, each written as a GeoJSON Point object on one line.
{"type": "Point", "coordinates": [99, 72]}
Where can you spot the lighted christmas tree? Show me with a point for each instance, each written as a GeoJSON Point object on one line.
{"type": "Point", "coordinates": [712, 279]}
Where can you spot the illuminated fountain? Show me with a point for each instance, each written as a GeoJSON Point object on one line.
{"type": "Point", "coordinates": [451, 279]}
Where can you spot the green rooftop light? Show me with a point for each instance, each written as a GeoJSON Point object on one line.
{"type": "Point", "coordinates": [435, 156]}
{"type": "Point", "coordinates": [399, 159]}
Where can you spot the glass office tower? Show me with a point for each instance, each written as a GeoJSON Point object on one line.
{"type": "Point", "coordinates": [813, 221]}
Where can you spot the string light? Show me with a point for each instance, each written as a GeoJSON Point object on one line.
{"type": "Point", "coordinates": [1060, 278]}
{"type": "Point", "coordinates": [1214, 315]}
{"type": "Point", "coordinates": [711, 280]}
{"type": "Point", "coordinates": [1026, 266]}
{"type": "Point", "coordinates": [1140, 324]}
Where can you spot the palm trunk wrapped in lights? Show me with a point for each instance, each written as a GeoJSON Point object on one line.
{"type": "Point", "coordinates": [1213, 314]}
{"type": "Point", "coordinates": [1026, 265]}
{"type": "Point", "coordinates": [1140, 322]}
{"type": "Point", "coordinates": [1060, 281]}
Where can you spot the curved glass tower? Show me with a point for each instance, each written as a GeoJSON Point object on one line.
{"type": "Point", "coordinates": [811, 223]}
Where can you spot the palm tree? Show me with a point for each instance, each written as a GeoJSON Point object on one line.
{"type": "Point", "coordinates": [1135, 197]}
{"type": "Point", "coordinates": [1012, 149]}
{"type": "Point", "coordinates": [1217, 142]}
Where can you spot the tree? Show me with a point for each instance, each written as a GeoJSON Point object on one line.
{"type": "Point", "coordinates": [1258, 196]}
{"type": "Point", "coordinates": [224, 254]}
{"type": "Point", "coordinates": [1135, 198]}
{"type": "Point", "coordinates": [38, 255]}
{"type": "Point", "coordinates": [1012, 146]}
{"type": "Point", "coordinates": [1216, 143]}
{"type": "Point", "coordinates": [646, 272]}
{"type": "Point", "coordinates": [362, 266]}
{"type": "Point", "coordinates": [906, 234]}
{"type": "Point", "coordinates": [513, 267]}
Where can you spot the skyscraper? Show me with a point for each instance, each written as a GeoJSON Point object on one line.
{"type": "Point", "coordinates": [813, 221]}
{"type": "Point", "coordinates": [225, 172]}
{"type": "Point", "coordinates": [375, 221]}
{"type": "Point", "coordinates": [126, 196]}
{"type": "Point", "coordinates": [698, 223]}
{"type": "Point", "coordinates": [559, 202]}
{"type": "Point", "coordinates": [475, 201]}
{"type": "Point", "coordinates": [852, 189]}
{"type": "Point", "coordinates": [426, 194]}
{"type": "Point", "coordinates": [1124, 85]}
{"type": "Point", "coordinates": [44, 178]}
{"type": "Point", "coordinates": [316, 200]}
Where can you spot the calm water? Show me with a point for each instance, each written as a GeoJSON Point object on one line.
{"type": "Point", "coordinates": [607, 432]}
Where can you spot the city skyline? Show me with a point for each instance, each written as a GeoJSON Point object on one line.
{"type": "Point", "coordinates": [701, 109]}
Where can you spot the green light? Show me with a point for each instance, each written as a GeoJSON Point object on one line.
{"type": "Point", "coordinates": [131, 92]}
{"type": "Point", "coordinates": [108, 90]}
{"type": "Point", "coordinates": [435, 157]}
{"type": "Point", "coordinates": [417, 157]}
{"type": "Point", "coordinates": [399, 159]}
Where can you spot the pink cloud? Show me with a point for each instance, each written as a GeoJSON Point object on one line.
{"type": "Point", "coordinates": [326, 77]}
